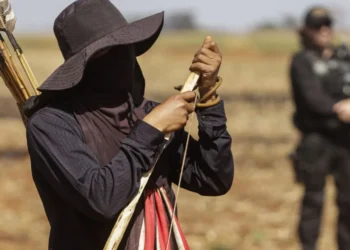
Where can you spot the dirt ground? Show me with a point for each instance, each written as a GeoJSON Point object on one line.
{"type": "Point", "coordinates": [261, 210]}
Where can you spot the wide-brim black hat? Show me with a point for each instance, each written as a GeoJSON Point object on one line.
{"type": "Point", "coordinates": [88, 26]}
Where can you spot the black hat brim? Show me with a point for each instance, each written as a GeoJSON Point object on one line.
{"type": "Point", "coordinates": [142, 33]}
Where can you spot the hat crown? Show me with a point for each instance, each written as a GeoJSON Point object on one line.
{"type": "Point", "coordinates": [318, 15]}
{"type": "Point", "coordinates": [84, 22]}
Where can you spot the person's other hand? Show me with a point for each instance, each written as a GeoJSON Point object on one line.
{"type": "Point", "coordinates": [342, 109]}
{"type": "Point", "coordinates": [173, 113]}
{"type": "Point", "coordinates": [207, 63]}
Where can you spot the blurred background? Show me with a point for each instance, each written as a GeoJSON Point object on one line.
{"type": "Point", "coordinates": [257, 39]}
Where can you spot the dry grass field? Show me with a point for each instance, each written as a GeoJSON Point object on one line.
{"type": "Point", "coordinates": [260, 211]}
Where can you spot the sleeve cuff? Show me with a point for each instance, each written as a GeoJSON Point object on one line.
{"type": "Point", "coordinates": [214, 115]}
{"type": "Point", "coordinates": [212, 121]}
{"type": "Point", "coordinates": [146, 135]}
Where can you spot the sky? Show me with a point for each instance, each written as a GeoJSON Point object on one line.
{"type": "Point", "coordinates": [227, 15]}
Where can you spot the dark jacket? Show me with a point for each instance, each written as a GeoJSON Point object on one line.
{"type": "Point", "coordinates": [83, 199]}
{"type": "Point", "coordinates": [318, 84]}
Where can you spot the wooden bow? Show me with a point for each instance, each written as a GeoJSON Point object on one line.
{"type": "Point", "coordinates": [125, 216]}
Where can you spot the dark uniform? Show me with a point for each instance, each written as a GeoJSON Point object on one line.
{"type": "Point", "coordinates": [317, 85]}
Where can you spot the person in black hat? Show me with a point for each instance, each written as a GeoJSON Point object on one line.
{"type": "Point", "coordinates": [93, 134]}
{"type": "Point", "coordinates": [320, 81]}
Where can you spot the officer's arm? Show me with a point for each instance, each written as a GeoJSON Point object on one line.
{"type": "Point", "coordinates": [309, 87]}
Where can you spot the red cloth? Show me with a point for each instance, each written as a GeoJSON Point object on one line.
{"type": "Point", "coordinates": [158, 212]}
{"type": "Point", "coordinates": [150, 226]}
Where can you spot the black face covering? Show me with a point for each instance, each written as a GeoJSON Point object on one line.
{"type": "Point", "coordinates": [111, 73]}
{"type": "Point", "coordinates": [102, 103]}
